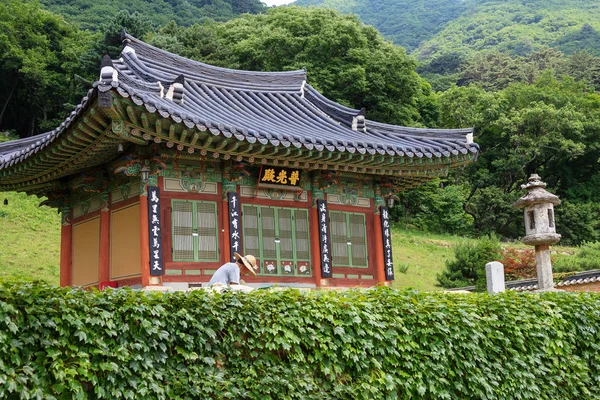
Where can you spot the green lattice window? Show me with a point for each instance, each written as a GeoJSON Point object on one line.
{"type": "Point", "coordinates": [278, 238]}
{"type": "Point", "coordinates": [195, 231]}
{"type": "Point", "coordinates": [348, 239]}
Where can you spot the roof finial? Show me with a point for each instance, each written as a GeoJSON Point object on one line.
{"type": "Point", "coordinates": [175, 91]}
{"type": "Point", "coordinates": [359, 121]}
{"type": "Point", "coordinates": [108, 73]}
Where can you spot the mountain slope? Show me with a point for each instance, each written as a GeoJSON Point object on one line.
{"type": "Point", "coordinates": [91, 14]}
{"type": "Point", "coordinates": [518, 28]}
{"type": "Point", "coordinates": [432, 28]}
{"type": "Point", "coordinates": [405, 22]}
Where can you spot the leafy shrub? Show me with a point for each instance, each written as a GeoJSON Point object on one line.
{"type": "Point", "coordinates": [468, 267]}
{"type": "Point", "coordinates": [518, 263]}
{"type": "Point", "coordinates": [578, 222]}
{"type": "Point", "coordinates": [370, 344]}
{"type": "Point", "coordinates": [433, 208]}
{"type": "Point", "coordinates": [587, 258]}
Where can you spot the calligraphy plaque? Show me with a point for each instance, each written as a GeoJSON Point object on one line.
{"type": "Point", "coordinates": [235, 223]}
{"type": "Point", "coordinates": [154, 234]}
{"type": "Point", "coordinates": [280, 177]}
{"type": "Point", "coordinates": [323, 215]}
{"type": "Point", "coordinates": [387, 244]}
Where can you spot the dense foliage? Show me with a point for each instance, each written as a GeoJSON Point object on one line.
{"type": "Point", "coordinates": [552, 128]}
{"type": "Point", "coordinates": [405, 22]}
{"type": "Point", "coordinates": [383, 344]}
{"type": "Point", "coordinates": [518, 28]}
{"type": "Point", "coordinates": [468, 266]}
{"type": "Point", "coordinates": [39, 64]}
{"type": "Point", "coordinates": [439, 29]}
{"type": "Point", "coordinates": [92, 14]}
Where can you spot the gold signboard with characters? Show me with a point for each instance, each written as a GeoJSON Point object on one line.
{"type": "Point", "coordinates": [279, 177]}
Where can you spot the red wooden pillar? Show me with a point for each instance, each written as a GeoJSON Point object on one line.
{"type": "Point", "coordinates": [378, 248]}
{"type": "Point", "coordinates": [66, 250]}
{"type": "Point", "coordinates": [315, 244]}
{"type": "Point", "coordinates": [104, 264]}
{"type": "Point", "coordinates": [144, 239]}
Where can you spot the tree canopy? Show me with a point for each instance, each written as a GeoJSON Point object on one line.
{"type": "Point", "coordinates": [40, 62]}
{"type": "Point", "coordinates": [90, 15]}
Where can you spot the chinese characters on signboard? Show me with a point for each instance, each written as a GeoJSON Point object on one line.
{"type": "Point", "coordinates": [279, 176]}
{"type": "Point", "coordinates": [235, 225]}
{"type": "Point", "coordinates": [154, 226]}
{"type": "Point", "coordinates": [387, 245]}
{"type": "Point", "coordinates": [323, 216]}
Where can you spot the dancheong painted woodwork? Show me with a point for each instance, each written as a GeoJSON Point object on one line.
{"type": "Point", "coordinates": [168, 166]}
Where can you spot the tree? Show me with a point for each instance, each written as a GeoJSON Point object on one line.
{"type": "Point", "coordinates": [550, 128]}
{"type": "Point", "coordinates": [39, 54]}
{"type": "Point", "coordinates": [468, 267]}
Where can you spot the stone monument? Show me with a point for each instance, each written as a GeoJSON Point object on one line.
{"type": "Point", "coordinates": [540, 230]}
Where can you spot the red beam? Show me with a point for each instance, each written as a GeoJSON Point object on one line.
{"type": "Point", "coordinates": [66, 253]}
{"type": "Point", "coordinates": [144, 240]}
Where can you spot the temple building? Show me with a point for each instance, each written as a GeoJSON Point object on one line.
{"type": "Point", "coordinates": [169, 165]}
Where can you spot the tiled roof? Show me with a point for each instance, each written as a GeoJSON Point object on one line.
{"type": "Point", "coordinates": [16, 151]}
{"type": "Point", "coordinates": [271, 108]}
{"type": "Point", "coordinates": [579, 278]}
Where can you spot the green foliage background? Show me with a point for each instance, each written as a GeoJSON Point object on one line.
{"type": "Point", "coordinates": [92, 14]}
{"type": "Point", "coordinates": [384, 344]}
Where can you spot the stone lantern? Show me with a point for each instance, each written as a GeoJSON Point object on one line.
{"type": "Point", "coordinates": [540, 230]}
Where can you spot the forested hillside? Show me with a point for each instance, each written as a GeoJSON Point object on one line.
{"type": "Point", "coordinates": [434, 28]}
{"type": "Point", "coordinates": [90, 14]}
{"type": "Point", "coordinates": [407, 23]}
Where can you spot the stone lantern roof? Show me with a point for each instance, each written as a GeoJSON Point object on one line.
{"type": "Point", "coordinates": [537, 194]}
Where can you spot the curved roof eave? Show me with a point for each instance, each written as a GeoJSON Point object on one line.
{"type": "Point", "coordinates": [276, 108]}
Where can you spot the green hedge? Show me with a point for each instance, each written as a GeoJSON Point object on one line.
{"type": "Point", "coordinates": [363, 344]}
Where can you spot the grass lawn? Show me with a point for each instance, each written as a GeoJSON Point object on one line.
{"type": "Point", "coordinates": [424, 254]}
{"type": "Point", "coordinates": [29, 239]}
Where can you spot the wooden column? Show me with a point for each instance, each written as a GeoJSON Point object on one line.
{"type": "Point", "coordinates": [378, 247]}
{"type": "Point", "coordinates": [144, 238]}
{"type": "Point", "coordinates": [315, 244]}
{"type": "Point", "coordinates": [66, 249]}
{"type": "Point", "coordinates": [104, 264]}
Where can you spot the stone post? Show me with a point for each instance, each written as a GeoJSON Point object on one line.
{"type": "Point", "coordinates": [494, 273]}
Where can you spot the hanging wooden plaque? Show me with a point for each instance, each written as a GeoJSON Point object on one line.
{"type": "Point", "coordinates": [387, 244]}
{"type": "Point", "coordinates": [323, 215]}
{"type": "Point", "coordinates": [154, 234]}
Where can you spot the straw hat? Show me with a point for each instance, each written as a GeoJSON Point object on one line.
{"type": "Point", "coordinates": [249, 261]}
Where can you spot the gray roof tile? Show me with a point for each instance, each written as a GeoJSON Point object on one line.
{"type": "Point", "coordinates": [269, 107]}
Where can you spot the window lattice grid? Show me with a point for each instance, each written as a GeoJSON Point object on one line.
{"type": "Point", "coordinates": [302, 235]}
{"type": "Point", "coordinates": [358, 240]}
{"type": "Point", "coordinates": [268, 233]}
{"type": "Point", "coordinates": [250, 227]}
{"type": "Point", "coordinates": [339, 238]}
{"type": "Point", "coordinates": [206, 214]}
{"type": "Point", "coordinates": [284, 222]}
{"type": "Point", "coordinates": [183, 244]}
